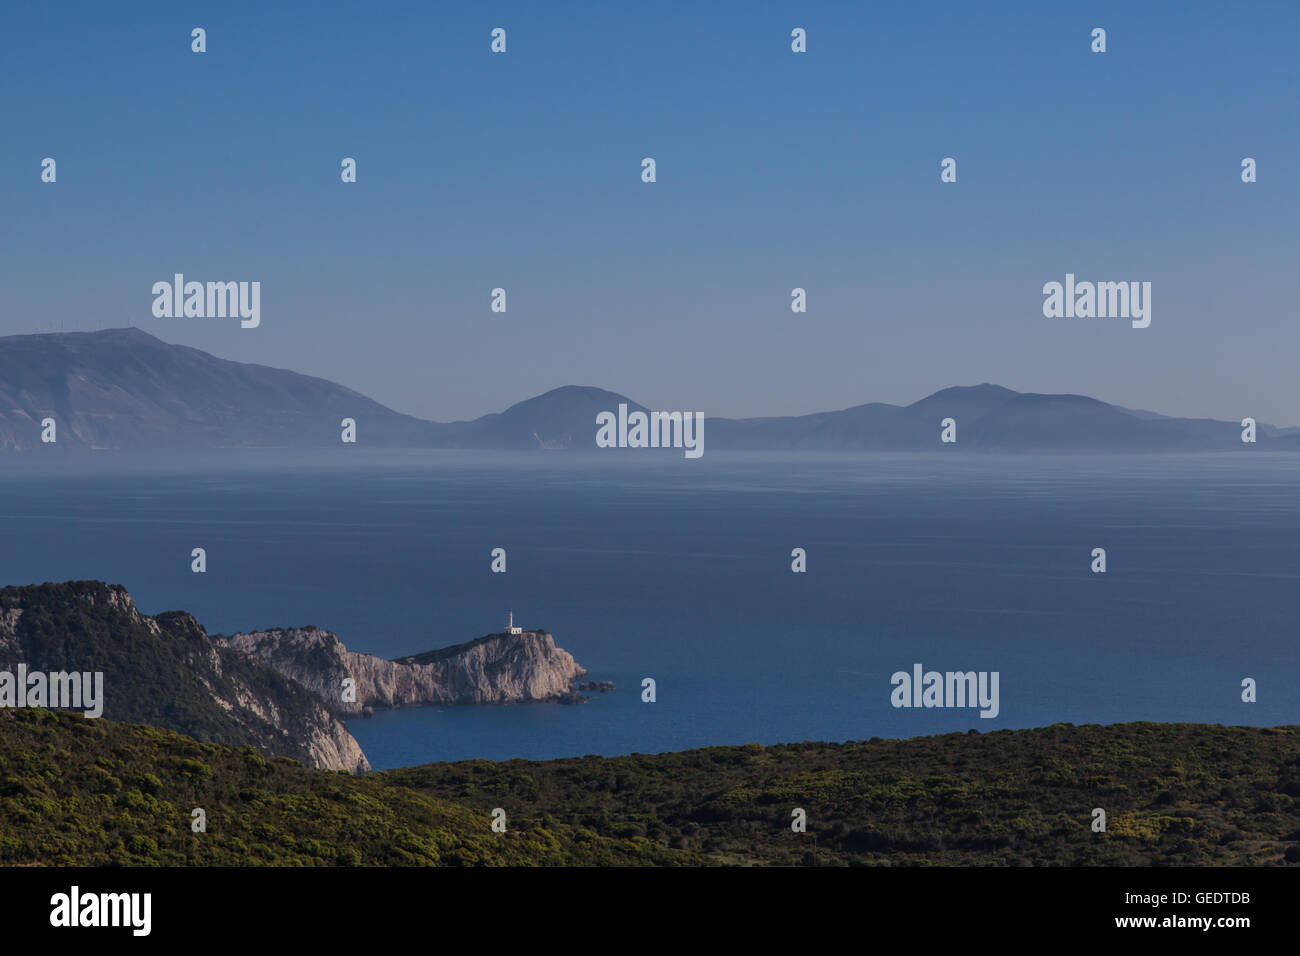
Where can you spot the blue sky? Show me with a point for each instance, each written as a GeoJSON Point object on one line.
{"type": "Point", "coordinates": [775, 170]}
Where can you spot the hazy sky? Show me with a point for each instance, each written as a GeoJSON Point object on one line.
{"type": "Point", "coordinates": [775, 170]}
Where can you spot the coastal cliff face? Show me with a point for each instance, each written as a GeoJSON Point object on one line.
{"type": "Point", "coordinates": [167, 671]}
{"type": "Point", "coordinates": [279, 691]}
{"type": "Point", "coordinates": [496, 669]}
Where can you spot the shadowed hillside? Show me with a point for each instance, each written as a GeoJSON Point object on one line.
{"type": "Point", "coordinates": [77, 791]}
{"type": "Point", "coordinates": [1173, 793]}
{"type": "Point", "coordinates": [94, 793]}
{"type": "Point", "coordinates": [166, 670]}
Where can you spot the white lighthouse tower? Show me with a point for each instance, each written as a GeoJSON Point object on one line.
{"type": "Point", "coordinates": [510, 624]}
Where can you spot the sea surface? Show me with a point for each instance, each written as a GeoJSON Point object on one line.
{"type": "Point", "coordinates": [677, 570]}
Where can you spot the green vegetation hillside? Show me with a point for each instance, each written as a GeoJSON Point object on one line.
{"type": "Point", "coordinates": [85, 792]}
{"type": "Point", "coordinates": [1173, 793]}
{"type": "Point", "coordinates": [91, 792]}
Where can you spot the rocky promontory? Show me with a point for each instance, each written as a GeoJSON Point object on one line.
{"type": "Point", "coordinates": [283, 692]}
{"type": "Point", "coordinates": [495, 669]}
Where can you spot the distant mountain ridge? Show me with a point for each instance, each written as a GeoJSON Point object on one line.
{"type": "Point", "coordinates": [123, 388]}
{"type": "Point", "coordinates": [126, 389]}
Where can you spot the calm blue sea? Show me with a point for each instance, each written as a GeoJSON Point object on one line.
{"type": "Point", "coordinates": [655, 566]}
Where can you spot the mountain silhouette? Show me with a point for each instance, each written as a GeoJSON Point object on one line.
{"type": "Point", "coordinates": [126, 389]}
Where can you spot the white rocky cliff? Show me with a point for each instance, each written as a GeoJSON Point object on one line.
{"type": "Point", "coordinates": [496, 669]}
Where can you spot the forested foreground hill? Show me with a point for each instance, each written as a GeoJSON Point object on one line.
{"type": "Point", "coordinates": [1185, 794]}
{"type": "Point", "coordinates": [91, 792]}
{"type": "Point", "coordinates": [78, 791]}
